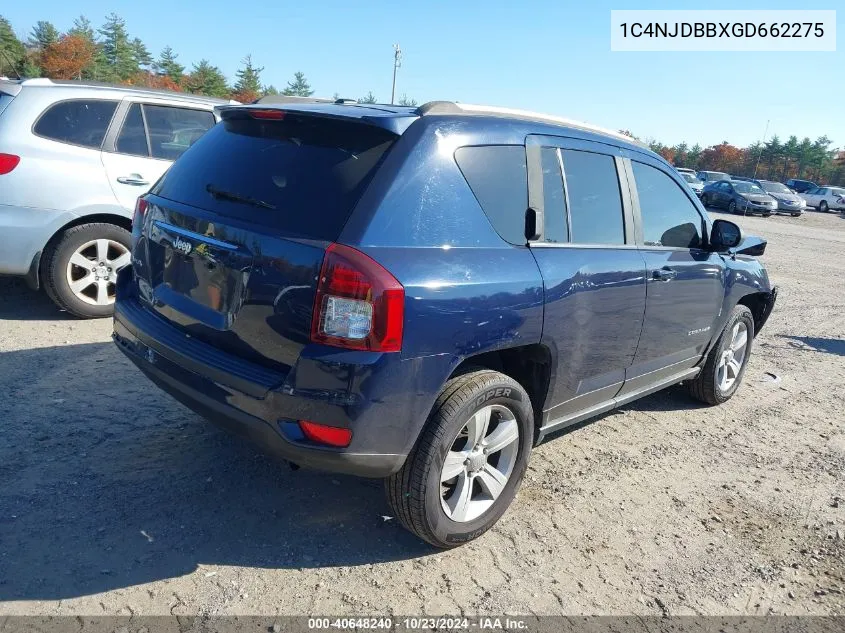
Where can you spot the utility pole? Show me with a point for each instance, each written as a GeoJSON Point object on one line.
{"type": "Point", "coordinates": [760, 153]}
{"type": "Point", "coordinates": [397, 62]}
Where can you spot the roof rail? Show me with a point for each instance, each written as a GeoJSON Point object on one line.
{"type": "Point", "coordinates": [453, 107]}
{"type": "Point", "coordinates": [85, 83]}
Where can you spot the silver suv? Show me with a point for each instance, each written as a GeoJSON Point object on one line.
{"type": "Point", "coordinates": [74, 157]}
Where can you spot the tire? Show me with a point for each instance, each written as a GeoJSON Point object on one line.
{"type": "Point", "coordinates": [707, 386]}
{"type": "Point", "coordinates": [796, 215]}
{"type": "Point", "coordinates": [823, 206]}
{"type": "Point", "coordinates": [60, 268]}
{"type": "Point", "coordinates": [732, 207]}
{"type": "Point", "coordinates": [416, 494]}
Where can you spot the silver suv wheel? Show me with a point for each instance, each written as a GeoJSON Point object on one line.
{"type": "Point", "coordinates": [92, 270]}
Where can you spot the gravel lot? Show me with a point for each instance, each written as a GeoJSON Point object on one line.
{"type": "Point", "coordinates": [114, 499]}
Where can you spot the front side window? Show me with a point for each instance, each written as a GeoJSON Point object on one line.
{"type": "Point", "coordinates": [78, 122]}
{"type": "Point", "coordinates": [669, 217]}
{"type": "Point", "coordinates": [554, 202]}
{"type": "Point", "coordinates": [595, 203]}
{"type": "Point", "coordinates": [173, 130]}
{"type": "Point", "coordinates": [498, 177]}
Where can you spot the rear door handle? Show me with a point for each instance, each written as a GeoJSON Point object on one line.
{"type": "Point", "coordinates": [132, 179]}
{"type": "Point", "coordinates": [664, 274]}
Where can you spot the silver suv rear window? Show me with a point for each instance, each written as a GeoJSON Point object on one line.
{"type": "Point", "coordinates": [5, 100]}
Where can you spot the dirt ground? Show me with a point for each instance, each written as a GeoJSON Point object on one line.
{"type": "Point", "coordinates": [114, 499]}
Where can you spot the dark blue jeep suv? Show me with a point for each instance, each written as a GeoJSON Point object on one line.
{"type": "Point", "coordinates": [423, 294]}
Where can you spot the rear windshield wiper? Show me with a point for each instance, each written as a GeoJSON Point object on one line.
{"type": "Point", "coordinates": [234, 197]}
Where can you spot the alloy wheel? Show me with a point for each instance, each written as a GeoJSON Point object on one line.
{"type": "Point", "coordinates": [733, 357]}
{"type": "Point", "coordinates": [92, 270]}
{"type": "Point", "coordinates": [479, 463]}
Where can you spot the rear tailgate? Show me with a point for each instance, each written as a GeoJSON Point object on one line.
{"type": "Point", "coordinates": [231, 243]}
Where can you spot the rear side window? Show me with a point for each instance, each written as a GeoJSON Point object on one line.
{"type": "Point", "coordinates": [132, 138]}
{"type": "Point", "coordinates": [554, 202]}
{"type": "Point", "coordinates": [173, 130]}
{"type": "Point", "coordinates": [669, 216]}
{"type": "Point", "coordinates": [302, 174]}
{"type": "Point", "coordinates": [78, 122]}
{"type": "Point", "coordinates": [498, 177]}
{"type": "Point", "coordinates": [595, 204]}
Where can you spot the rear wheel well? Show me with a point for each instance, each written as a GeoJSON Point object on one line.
{"type": "Point", "coordinates": [756, 302]}
{"type": "Point", "coordinates": [105, 218]}
{"type": "Point", "coordinates": [529, 365]}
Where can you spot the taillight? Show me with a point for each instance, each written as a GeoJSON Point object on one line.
{"type": "Point", "coordinates": [324, 434]}
{"type": "Point", "coordinates": [359, 304]}
{"type": "Point", "coordinates": [8, 162]}
{"type": "Point", "coordinates": [140, 209]}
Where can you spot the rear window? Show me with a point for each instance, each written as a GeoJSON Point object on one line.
{"type": "Point", "coordinates": [498, 177]}
{"type": "Point", "coordinates": [302, 175]}
{"type": "Point", "coordinates": [78, 122]}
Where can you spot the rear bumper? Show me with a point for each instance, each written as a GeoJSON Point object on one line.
{"type": "Point", "coordinates": [25, 232]}
{"type": "Point", "coordinates": [373, 395]}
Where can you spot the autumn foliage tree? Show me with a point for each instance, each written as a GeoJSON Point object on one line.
{"type": "Point", "coordinates": [67, 57]}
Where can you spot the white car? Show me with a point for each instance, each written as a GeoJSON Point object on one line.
{"type": "Point", "coordinates": [826, 198]}
{"type": "Point", "coordinates": [74, 157]}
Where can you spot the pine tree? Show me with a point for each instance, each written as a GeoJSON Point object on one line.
{"type": "Point", "coordinates": [96, 68]}
{"type": "Point", "coordinates": [206, 79]}
{"type": "Point", "coordinates": [299, 87]}
{"type": "Point", "coordinates": [405, 101]}
{"type": "Point", "coordinates": [118, 50]}
{"type": "Point", "coordinates": [142, 56]}
{"type": "Point", "coordinates": [269, 90]}
{"type": "Point", "coordinates": [82, 28]}
{"type": "Point", "coordinates": [248, 85]}
{"type": "Point", "coordinates": [369, 98]}
{"type": "Point", "coordinates": [43, 34]}
{"type": "Point", "coordinates": [167, 65]}
{"type": "Point", "coordinates": [12, 52]}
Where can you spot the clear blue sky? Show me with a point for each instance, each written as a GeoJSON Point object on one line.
{"type": "Point", "coordinates": [547, 55]}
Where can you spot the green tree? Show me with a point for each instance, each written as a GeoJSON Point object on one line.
{"type": "Point", "coordinates": [248, 84]}
{"type": "Point", "coordinates": [82, 28]}
{"type": "Point", "coordinates": [12, 51]}
{"type": "Point", "coordinates": [142, 56]}
{"type": "Point", "coordinates": [805, 156]}
{"type": "Point", "coordinates": [167, 65]}
{"type": "Point", "coordinates": [43, 34]}
{"type": "Point", "coordinates": [681, 152]}
{"type": "Point", "coordinates": [694, 156]}
{"type": "Point", "coordinates": [368, 98]}
{"type": "Point", "coordinates": [772, 153]}
{"type": "Point", "coordinates": [96, 68]}
{"type": "Point", "coordinates": [299, 87]}
{"type": "Point", "coordinates": [31, 67]}
{"type": "Point", "coordinates": [269, 90]}
{"type": "Point", "coordinates": [206, 79]}
{"type": "Point", "coordinates": [118, 50]}
{"type": "Point", "coordinates": [405, 101]}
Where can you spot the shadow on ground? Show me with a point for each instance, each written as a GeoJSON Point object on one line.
{"type": "Point", "coordinates": [19, 302]}
{"type": "Point", "coordinates": [813, 343]}
{"type": "Point", "coordinates": [105, 482]}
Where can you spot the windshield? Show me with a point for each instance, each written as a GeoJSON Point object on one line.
{"type": "Point", "coordinates": [689, 178]}
{"type": "Point", "coordinates": [716, 175]}
{"type": "Point", "coordinates": [747, 187]}
{"type": "Point", "coordinates": [299, 174]}
{"type": "Point", "coordinates": [775, 187]}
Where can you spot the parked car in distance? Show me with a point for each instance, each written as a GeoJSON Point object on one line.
{"type": "Point", "coordinates": [743, 178]}
{"type": "Point", "coordinates": [788, 202]}
{"type": "Point", "coordinates": [694, 183]}
{"type": "Point", "coordinates": [380, 290]}
{"type": "Point", "coordinates": [826, 198]}
{"type": "Point", "coordinates": [800, 186]}
{"type": "Point", "coordinates": [76, 156]}
{"type": "Point", "coordinates": [712, 176]}
{"type": "Point", "coordinates": [738, 196]}
{"type": "Point", "coordinates": [685, 170]}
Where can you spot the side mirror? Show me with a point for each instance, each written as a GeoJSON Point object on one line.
{"type": "Point", "coordinates": [725, 235]}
